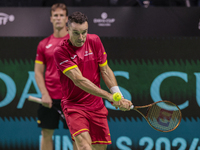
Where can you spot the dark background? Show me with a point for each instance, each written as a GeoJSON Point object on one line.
{"type": "Point", "coordinates": [146, 39]}
{"type": "Point", "coordinates": [110, 3]}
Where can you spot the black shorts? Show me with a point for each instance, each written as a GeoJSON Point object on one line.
{"type": "Point", "coordinates": [49, 118]}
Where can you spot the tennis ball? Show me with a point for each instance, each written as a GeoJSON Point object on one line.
{"type": "Point", "coordinates": [117, 96]}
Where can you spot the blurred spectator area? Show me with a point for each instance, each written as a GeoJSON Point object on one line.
{"type": "Point", "coordinates": [75, 3]}
{"type": "Point", "coordinates": [172, 3]}
{"type": "Point", "coordinates": [106, 3]}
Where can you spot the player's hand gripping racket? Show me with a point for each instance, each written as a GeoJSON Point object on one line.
{"type": "Point", "coordinates": [163, 116]}
{"type": "Point", "coordinates": [38, 100]}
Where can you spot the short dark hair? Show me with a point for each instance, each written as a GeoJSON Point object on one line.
{"type": "Point", "coordinates": [59, 5]}
{"type": "Point", "coordinates": [77, 17]}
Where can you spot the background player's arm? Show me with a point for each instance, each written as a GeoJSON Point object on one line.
{"type": "Point", "coordinates": [39, 77]}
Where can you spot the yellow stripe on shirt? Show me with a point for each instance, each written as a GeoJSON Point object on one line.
{"type": "Point", "coordinates": [38, 62]}
{"type": "Point", "coordinates": [72, 67]}
{"type": "Point", "coordinates": [101, 65]}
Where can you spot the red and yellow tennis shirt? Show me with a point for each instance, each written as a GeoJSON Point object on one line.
{"type": "Point", "coordinates": [88, 59]}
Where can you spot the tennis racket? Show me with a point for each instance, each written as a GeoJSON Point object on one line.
{"type": "Point", "coordinates": [163, 116]}
{"type": "Point", "coordinates": [39, 101]}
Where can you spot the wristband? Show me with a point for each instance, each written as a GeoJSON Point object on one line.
{"type": "Point", "coordinates": [115, 89]}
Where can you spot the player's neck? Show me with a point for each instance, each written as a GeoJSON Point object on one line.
{"type": "Point", "coordinates": [60, 33]}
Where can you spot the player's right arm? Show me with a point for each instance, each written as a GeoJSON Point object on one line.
{"type": "Point", "coordinates": [83, 83]}
{"type": "Point", "coordinates": [39, 77]}
{"type": "Point", "coordinates": [76, 76]}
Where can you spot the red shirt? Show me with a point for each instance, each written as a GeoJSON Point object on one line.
{"type": "Point", "coordinates": [87, 58]}
{"type": "Point", "coordinates": [45, 56]}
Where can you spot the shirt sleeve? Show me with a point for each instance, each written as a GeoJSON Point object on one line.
{"type": "Point", "coordinates": [62, 60]}
{"type": "Point", "coordinates": [40, 59]}
{"type": "Point", "coordinates": [102, 56]}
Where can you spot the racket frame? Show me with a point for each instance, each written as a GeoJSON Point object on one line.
{"type": "Point", "coordinates": [150, 105]}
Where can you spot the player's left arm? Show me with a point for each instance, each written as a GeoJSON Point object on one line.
{"type": "Point", "coordinates": [110, 81]}
{"type": "Point", "coordinates": [108, 76]}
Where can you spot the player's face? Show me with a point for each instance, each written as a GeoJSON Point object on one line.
{"type": "Point", "coordinates": [78, 33]}
{"type": "Point", "coordinates": [59, 18]}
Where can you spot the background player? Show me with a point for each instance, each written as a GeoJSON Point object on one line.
{"type": "Point", "coordinates": [50, 87]}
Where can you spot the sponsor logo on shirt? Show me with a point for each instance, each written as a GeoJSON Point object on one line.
{"type": "Point", "coordinates": [4, 18]}
{"type": "Point", "coordinates": [88, 52]}
{"type": "Point", "coordinates": [104, 21]}
{"type": "Point", "coordinates": [73, 57]}
{"type": "Point", "coordinates": [63, 62]}
{"type": "Point", "coordinates": [48, 46]}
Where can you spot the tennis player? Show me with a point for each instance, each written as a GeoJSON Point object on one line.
{"type": "Point", "coordinates": [81, 60]}
{"type": "Point", "coordinates": [50, 87]}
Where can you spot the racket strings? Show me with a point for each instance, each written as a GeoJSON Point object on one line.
{"type": "Point", "coordinates": [164, 116]}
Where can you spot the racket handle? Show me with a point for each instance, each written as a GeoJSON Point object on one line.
{"type": "Point", "coordinates": [131, 107]}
